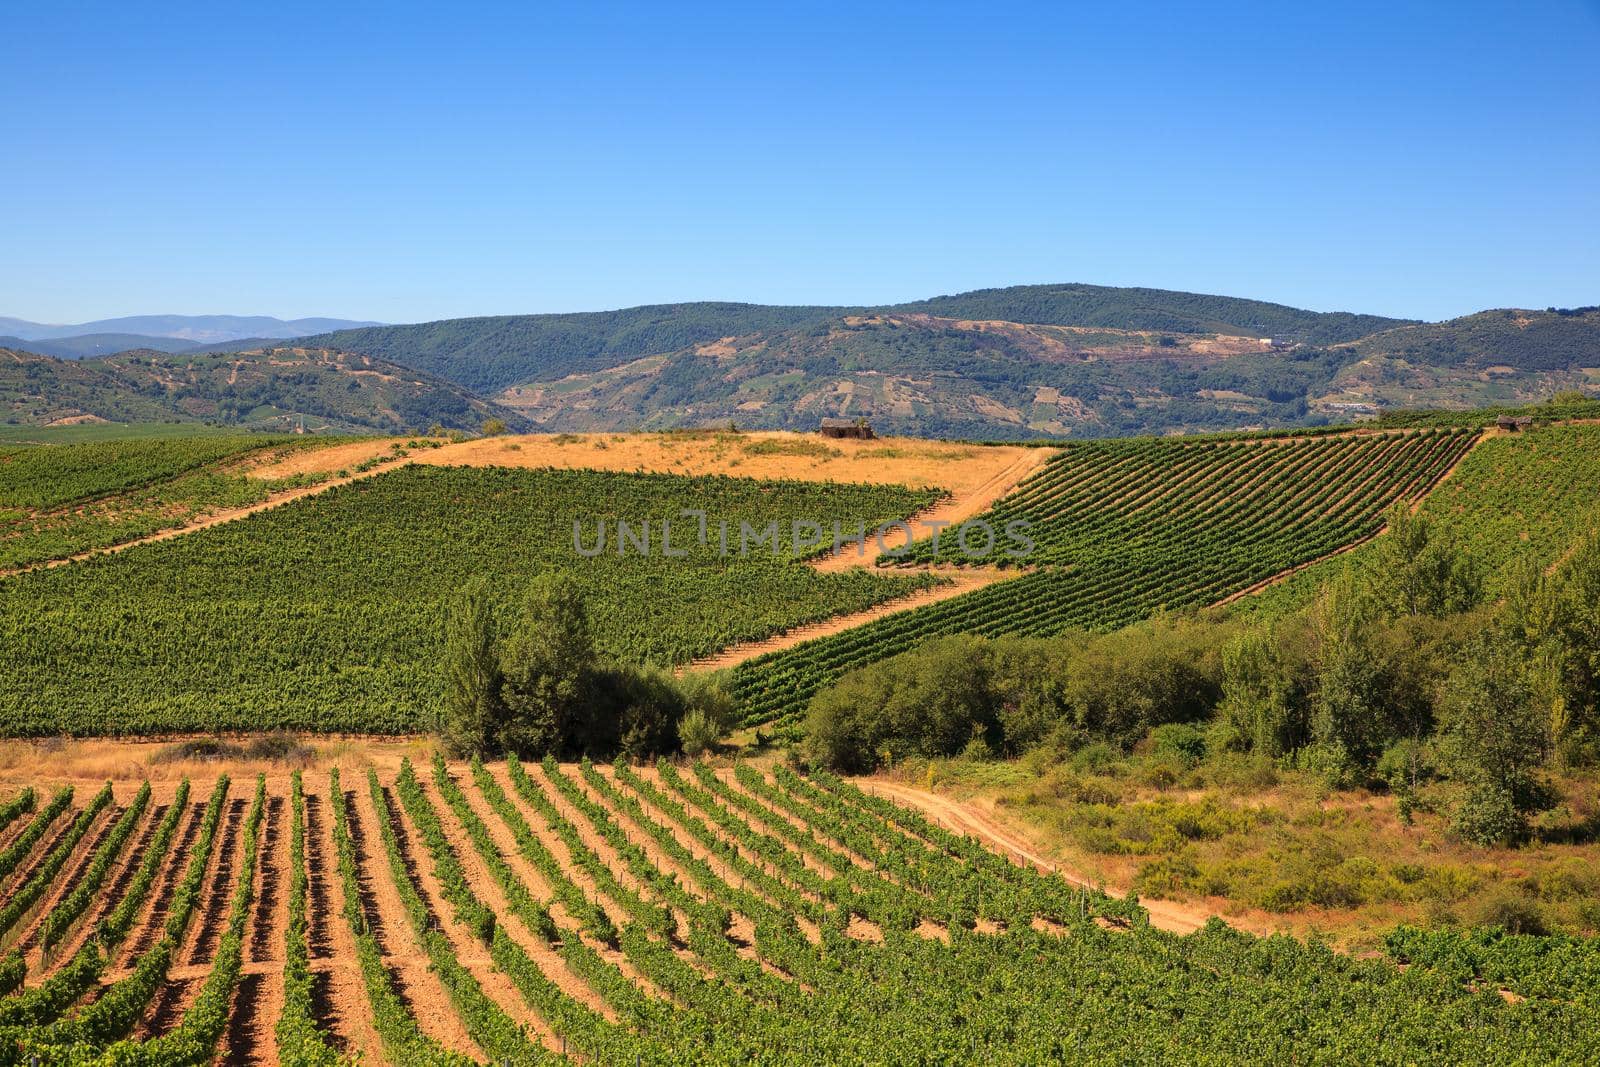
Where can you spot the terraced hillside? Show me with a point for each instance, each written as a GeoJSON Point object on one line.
{"type": "Point", "coordinates": [542, 913]}
{"type": "Point", "coordinates": [1126, 529]}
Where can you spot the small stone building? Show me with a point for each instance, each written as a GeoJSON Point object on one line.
{"type": "Point", "coordinates": [847, 428]}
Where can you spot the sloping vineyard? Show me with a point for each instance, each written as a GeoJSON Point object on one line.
{"type": "Point", "coordinates": [1124, 529]}
{"type": "Point", "coordinates": [324, 614]}
{"type": "Point", "coordinates": [60, 500]}
{"type": "Point", "coordinates": [529, 914]}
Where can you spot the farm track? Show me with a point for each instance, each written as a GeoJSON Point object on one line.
{"type": "Point", "coordinates": [973, 821]}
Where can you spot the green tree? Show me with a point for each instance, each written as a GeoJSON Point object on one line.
{"type": "Point", "coordinates": [1415, 570]}
{"type": "Point", "coordinates": [470, 718]}
{"type": "Point", "coordinates": [548, 663]}
{"type": "Point", "coordinates": [1492, 739]}
{"type": "Point", "coordinates": [1260, 700]}
{"type": "Point", "coordinates": [1350, 718]}
{"type": "Point", "coordinates": [494, 427]}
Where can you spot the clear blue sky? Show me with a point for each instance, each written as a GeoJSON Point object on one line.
{"type": "Point", "coordinates": [406, 162]}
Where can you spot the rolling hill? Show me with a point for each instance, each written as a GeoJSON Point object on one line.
{"type": "Point", "coordinates": [89, 345]}
{"type": "Point", "coordinates": [493, 353]}
{"type": "Point", "coordinates": [278, 389]}
{"type": "Point", "coordinates": [997, 364]}
{"type": "Point", "coordinates": [198, 328]}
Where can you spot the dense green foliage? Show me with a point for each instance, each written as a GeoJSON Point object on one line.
{"type": "Point", "coordinates": [325, 613]}
{"type": "Point", "coordinates": [1126, 529]}
{"type": "Point", "coordinates": [533, 684]}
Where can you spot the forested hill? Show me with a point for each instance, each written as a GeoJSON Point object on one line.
{"type": "Point", "coordinates": [275, 388]}
{"type": "Point", "coordinates": [486, 354]}
{"type": "Point", "coordinates": [1151, 309]}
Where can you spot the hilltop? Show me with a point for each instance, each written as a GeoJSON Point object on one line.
{"type": "Point", "coordinates": [496, 352]}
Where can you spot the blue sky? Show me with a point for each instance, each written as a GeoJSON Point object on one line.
{"type": "Point", "coordinates": [406, 163]}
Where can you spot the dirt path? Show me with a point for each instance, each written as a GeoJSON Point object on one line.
{"type": "Point", "coordinates": [962, 580]}
{"type": "Point", "coordinates": [951, 511]}
{"type": "Point", "coordinates": [974, 820]}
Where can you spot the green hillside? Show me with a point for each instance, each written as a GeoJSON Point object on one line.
{"type": "Point", "coordinates": [1151, 309]}
{"type": "Point", "coordinates": [271, 389]}
{"type": "Point", "coordinates": [491, 353]}
{"type": "Point", "coordinates": [500, 350]}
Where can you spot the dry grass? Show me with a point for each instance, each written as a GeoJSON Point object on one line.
{"type": "Point", "coordinates": [959, 468]}
{"type": "Point", "coordinates": [92, 761]}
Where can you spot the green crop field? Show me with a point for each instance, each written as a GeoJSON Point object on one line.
{"type": "Point", "coordinates": [1515, 500]}
{"type": "Point", "coordinates": [58, 500]}
{"type": "Point", "coordinates": [1125, 529]}
{"type": "Point", "coordinates": [326, 613]}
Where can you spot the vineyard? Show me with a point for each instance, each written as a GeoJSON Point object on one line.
{"type": "Point", "coordinates": [609, 914]}
{"type": "Point", "coordinates": [60, 500]}
{"type": "Point", "coordinates": [1128, 528]}
{"type": "Point", "coordinates": [1514, 501]}
{"type": "Point", "coordinates": [323, 614]}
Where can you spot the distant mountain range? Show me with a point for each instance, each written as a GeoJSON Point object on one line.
{"type": "Point", "coordinates": [1020, 362]}
{"type": "Point", "coordinates": [198, 329]}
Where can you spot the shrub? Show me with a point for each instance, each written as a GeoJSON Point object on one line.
{"type": "Point", "coordinates": [696, 732]}
{"type": "Point", "coordinates": [1178, 741]}
{"type": "Point", "coordinates": [1487, 815]}
{"type": "Point", "coordinates": [1511, 910]}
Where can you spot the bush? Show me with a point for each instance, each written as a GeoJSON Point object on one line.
{"type": "Point", "coordinates": [1510, 910]}
{"type": "Point", "coordinates": [697, 733]}
{"type": "Point", "coordinates": [1178, 741]}
{"type": "Point", "coordinates": [1487, 815]}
